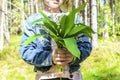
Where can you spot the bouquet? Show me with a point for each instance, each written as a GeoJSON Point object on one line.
{"type": "Point", "coordinates": [65, 32]}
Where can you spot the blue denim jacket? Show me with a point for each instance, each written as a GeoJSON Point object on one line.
{"type": "Point", "coordinates": [38, 53]}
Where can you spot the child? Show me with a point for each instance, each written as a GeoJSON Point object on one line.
{"type": "Point", "coordinates": [44, 54]}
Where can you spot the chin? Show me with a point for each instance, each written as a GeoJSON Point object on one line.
{"type": "Point", "coordinates": [55, 6]}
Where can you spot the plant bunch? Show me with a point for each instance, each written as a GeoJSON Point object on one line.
{"type": "Point", "coordinates": [65, 32]}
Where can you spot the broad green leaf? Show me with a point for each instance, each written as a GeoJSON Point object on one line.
{"type": "Point", "coordinates": [50, 29]}
{"type": "Point", "coordinates": [76, 29]}
{"type": "Point", "coordinates": [72, 46]}
{"type": "Point", "coordinates": [56, 27]}
{"type": "Point", "coordinates": [44, 21]}
{"type": "Point", "coordinates": [70, 19]}
{"type": "Point", "coordinates": [47, 19]}
{"type": "Point", "coordinates": [54, 24]}
{"type": "Point", "coordinates": [47, 24]}
{"type": "Point", "coordinates": [85, 32]}
{"type": "Point", "coordinates": [69, 23]}
{"type": "Point", "coordinates": [59, 41]}
{"type": "Point", "coordinates": [80, 29]}
{"type": "Point", "coordinates": [73, 12]}
{"type": "Point", "coordinates": [50, 23]}
{"type": "Point", "coordinates": [62, 24]}
{"type": "Point", "coordinates": [44, 15]}
{"type": "Point", "coordinates": [29, 40]}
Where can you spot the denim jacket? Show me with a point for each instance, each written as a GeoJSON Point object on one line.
{"type": "Point", "coordinates": [38, 53]}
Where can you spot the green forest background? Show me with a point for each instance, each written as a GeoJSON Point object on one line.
{"type": "Point", "coordinates": [102, 64]}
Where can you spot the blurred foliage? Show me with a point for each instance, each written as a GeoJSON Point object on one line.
{"type": "Point", "coordinates": [104, 62]}
{"type": "Point", "coordinates": [16, 17]}
{"type": "Point", "coordinates": [12, 66]}
{"type": "Point", "coordinates": [105, 9]}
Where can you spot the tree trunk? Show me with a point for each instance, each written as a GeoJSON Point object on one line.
{"type": "Point", "coordinates": [29, 11]}
{"type": "Point", "coordinates": [85, 14]}
{"type": "Point", "coordinates": [10, 21]}
{"type": "Point", "coordinates": [32, 6]}
{"type": "Point", "coordinates": [112, 6]}
{"type": "Point", "coordinates": [94, 23]}
{"type": "Point", "coordinates": [106, 34]}
{"type": "Point", "coordinates": [2, 26]}
{"type": "Point", "coordinates": [36, 6]}
{"type": "Point", "coordinates": [6, 31]}
{"type": "Point", "coordinates": [76, 3]}
{"type": "Point", "coordinates": [22, 2]}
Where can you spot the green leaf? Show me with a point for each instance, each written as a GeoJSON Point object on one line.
{"type": "Point", "coordinates": [56, 28]}
{"type": "Point", "coordinates": [70, 18]}
{"type": "Point", "coordinates": [76, 30]}
{"type": "Point", "coordinates": [85, 32]}
{"type": "Point", "coordinates": [50, 29]}
{"type": "Point", "coordinates": [44, 15]}
{"type": "Point", "coordinates": [50, 24]}
{"type": "Point", "coordinates": [47, 19]}
{"type": "Point", "coordinates": [72, 46]}
{"type": "Point", "coordinates": [81, 28]}
{"type": "Point", "coordinates": [62, 24]}
{"type": "Point", "coordinates": [30, 39]}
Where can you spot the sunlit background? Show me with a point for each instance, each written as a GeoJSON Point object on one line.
{"type": "Point", "coordinates": [102, 64]}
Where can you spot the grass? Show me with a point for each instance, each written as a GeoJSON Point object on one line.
{"type": "Point", "coordinates": [12, 67]}
{"type": "Point", "coordinates": [103, 64]}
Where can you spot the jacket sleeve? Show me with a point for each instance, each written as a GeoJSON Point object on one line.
{"type": "Point", "coordinates": [85, 48]}
{"type": "Point", "coordinates": [83, 42]}
{"type": "Point", "coordinates": [37, 53]}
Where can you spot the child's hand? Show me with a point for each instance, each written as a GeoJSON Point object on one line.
{"type": "Point", "coordinates": [61, 56]}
